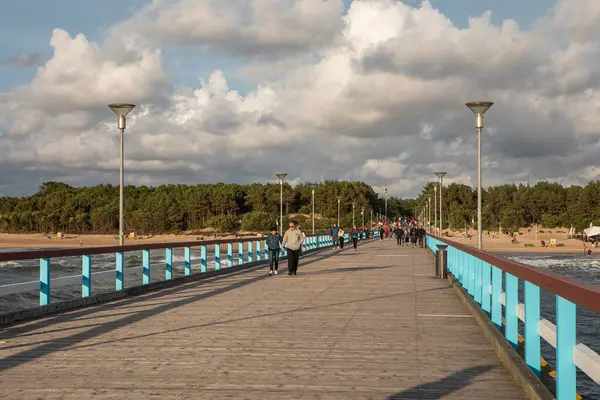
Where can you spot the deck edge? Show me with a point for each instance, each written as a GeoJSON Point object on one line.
{"type": "Point", "coordinates": [533, 387]}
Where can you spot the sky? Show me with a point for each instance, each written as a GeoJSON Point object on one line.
{"type": "Point", "coordinates": [234, 91]}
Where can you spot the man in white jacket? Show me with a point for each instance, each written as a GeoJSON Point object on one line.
{"type": "Point", "coordinates": [293, 238]}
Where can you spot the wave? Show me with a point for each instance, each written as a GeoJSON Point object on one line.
{"type": "Point", "coordinates": [563, 261]}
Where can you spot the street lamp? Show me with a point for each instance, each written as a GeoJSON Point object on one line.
{"type": "Point", "coordinates": [281, 178]}
{"type": "Point", "coordinates": [121, 110]}
{"type": "Point", "coordinates": [479, 108]}
{"type": "Point", "coordinates": [435, 209]}
{"type": "Point", "coordinates": [313, 210]}
{"type": "Point", "coordinates": [339, 200]}
{"type": "Point", "coordinates": [353, 205]}
{"type": "Point", "coordinates": [385, 191]}
{"type": "Point", "coordinates": [371, 227]}
{"type": "Point", "coordinates": [429, 213]}
{"type": "Point", "coordinates": [362, 214]}
{"type": "Point", "coordinates": [441, 176]}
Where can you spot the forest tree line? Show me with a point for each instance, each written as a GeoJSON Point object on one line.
{"type": "Point", "coordinates": [511, 207]}
{"type": "Point", "coordinates": [58, 207]}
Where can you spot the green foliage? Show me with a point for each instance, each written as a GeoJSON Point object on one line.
{"type": "Point", "coordinates": [166, 208]}
{"type": "Point", "coordinates": [258, 221]}
{"type": "Point", "coordinates": [511, 206]}
{"type": "Point", "coordinates": [224, 223]}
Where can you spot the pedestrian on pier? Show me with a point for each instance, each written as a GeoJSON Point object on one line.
{"type": "Point", "coordinates": [293, 240]}
{"type": "Point", "coordinates": [334, 233]}
{"type": "Point", "coordinates": [274, 246]}
{"type": "Point", "coordinates": [342, 238]}
{"type": "Point", "coordinates": [355, 234]}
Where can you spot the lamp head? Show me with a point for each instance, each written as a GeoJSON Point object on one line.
{"type": "Point", "coordinates": [122, 109]}
{"type": "Point", "coordinates": [281, 176]}
{"type": "Point", "coordinates": [440, 174]}
{"type": "Point", "coordinates": [479, 108]}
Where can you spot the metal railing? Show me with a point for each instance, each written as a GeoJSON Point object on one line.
{"type": "Point", "coordinates": [493, 283]}
{"type": "Point", "coordinates": [212, 257]}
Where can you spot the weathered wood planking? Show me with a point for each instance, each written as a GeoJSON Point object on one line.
{"type": "Point", "coordinates": [372, 324]}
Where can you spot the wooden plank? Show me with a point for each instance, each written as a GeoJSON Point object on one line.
{"type": "Point", "coordinates": [351, 325]}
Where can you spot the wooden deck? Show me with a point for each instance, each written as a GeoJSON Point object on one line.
{"type": "Point", "coordinates": [372, 324]}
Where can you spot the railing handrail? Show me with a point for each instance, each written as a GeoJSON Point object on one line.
{"type": "Point", "coordinates": [91, 250]}
{"type": "Point", "coordinates": [582, 294]}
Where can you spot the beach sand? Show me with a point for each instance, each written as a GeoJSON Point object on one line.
{"type": "Point", "coordinates": [503, 243]}
{"type": "Point", "coordinates": [12, 240]}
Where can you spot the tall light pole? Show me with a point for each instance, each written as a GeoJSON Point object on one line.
{"type": "Point", "coordinates": [362, 214]}
{"type": "Point", "coordinates": [121, 110]}
{"type": "Point", "coordinates": [371, 226]}
{"type": "Point", "coordinates": [429, 213]}
{"type": "Point", "coordinates": [441, 176]}
{"type": "Point", "coordinates": [479, 108]}
{"type": "Point", "coordinates": [313, 210]}
{"type": "Point", "coordinates": [281, 178]}
{"type": "Point", "coordinates": [385, 191]}
{"type": "Point", "coordinates": [339, 201]}
{"type": "Point", "coordinates": [353, 205]}
{"type": "Point", "coordinates": [435, 221]}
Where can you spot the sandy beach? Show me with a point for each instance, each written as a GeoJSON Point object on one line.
{"type": "Point", "coordinates": [527, 236]}
{"type": "Point", "coordinates": [38, 240]}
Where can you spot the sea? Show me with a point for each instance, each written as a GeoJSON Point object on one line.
{"type": "Point", "coordinates": [577, 266]}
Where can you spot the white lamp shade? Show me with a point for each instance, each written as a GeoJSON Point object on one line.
{"type": "Point", "coordinates": [122, 109]}
{"type": "Point", "coordinates": [479, 107]}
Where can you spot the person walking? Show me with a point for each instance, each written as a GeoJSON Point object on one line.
{"type": "Point", "coordinates": [334, 233]}
{"type": "Point", "coordinates": [274, 246]}
{"type": "Point", "coordinates": [355, 234]}
{"type": "Point", "coordinates": [293, 239]}
{"type": "Point", "coordinates": [342, 238]}
{"type": "Point", "coordinates": [399, 234]}
{"type": "Point", "coordinates": [381, 232]}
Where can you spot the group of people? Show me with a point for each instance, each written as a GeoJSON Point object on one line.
{"type": "Point", "coordinates": [293, 239]}
{"type": "Point", "coordinates": [338, 236]}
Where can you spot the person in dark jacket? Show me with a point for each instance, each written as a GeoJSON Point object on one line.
{"type": "Point", "coordinates": [274, 246]}
{"type": "Point", "coordinates": [355, 235]}
{"type": "Point", "coordinates": [399, 235]}
{"type": "Point", "coordinates": [334, 233]}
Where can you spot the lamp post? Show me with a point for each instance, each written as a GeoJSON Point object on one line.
{"type": "Point", "coordinates": [435, 221]}
{"type": "Point", "coordinates": [441, 176]}
{"type": "Point", "coordinates": [313, 210]}
{"type": "Point", "coordinates": [353, 205]}
{"type": "Point", "coordinates": [362, 214]}
{"type": "Point", "coordinates": [429, 213]}
{"type": "Point", "coordinates": [281, 178]}
{"type": "Point", "coordinates": [371, 226]}
{"type": "Point", "coordinates": [385, 191]}
{"type": "Point", "coordinates": [339, 201]}
{"type": "Point", "coordinates": [479, 108]}
{"type": "Point", "coordinates": [121, 110]}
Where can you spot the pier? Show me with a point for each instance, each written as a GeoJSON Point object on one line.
{"type": "Point", "coordinates": [376, 323]}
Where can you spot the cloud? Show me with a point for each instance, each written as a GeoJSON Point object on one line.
{"type": "Point", "coordinates": [249, 28]}
{"type": "Point", "coordinates": [23, 60]}
{"type": "Point", "coordinates": [381, 99]}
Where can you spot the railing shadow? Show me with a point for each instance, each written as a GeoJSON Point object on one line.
{"type": "Point", "coordinates": [443, 387]}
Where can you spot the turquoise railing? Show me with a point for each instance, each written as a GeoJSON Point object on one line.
{"type": "Point", "coordinates": [493, 283]}
{"type": "Point", "coordinates": [225, 254]}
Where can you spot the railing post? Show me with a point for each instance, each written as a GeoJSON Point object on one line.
{"type": "Point", "coordinates": [240, 253]}
{"type": "Point", "coordinates": [203, 262]}
{"type": "Point", "coordinates": [566, 339]}
{"type": "Point", "coordinates": [511, 330]}
{"type": "Point", "coordinates": [250, 251]}
{"type": "Point", "coordinates": [532, 322]}
{"type": "Point", "coordinates": [486, 280]}
{"type": "Point", "coordinates": [187, 260]}
{"type": "Point", "coordinates": [86, 276]}
{"type": "Point", "coordinates": [496, 291]}
{"type": "Point", "coordinates": [469, 262]}
{"type": "Point", "coordinates": [146, 266]}
{"type": "Point", "coordinates": [266, 250]}
{"type": "Point", "coordinates": [120, 277]}
{"type": "Point", "coordinates": [217, 257]}
{"type": "Point", "coordinates": [168, 264]}
{"type": "Point", "coordinates": [44, 281]}
{"type": "Point", "coordinates": [258, 252]}
{"type": "Point", "coordinates": [478, 280]}
{"type": "Point", "coordinates": [230, 254]}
